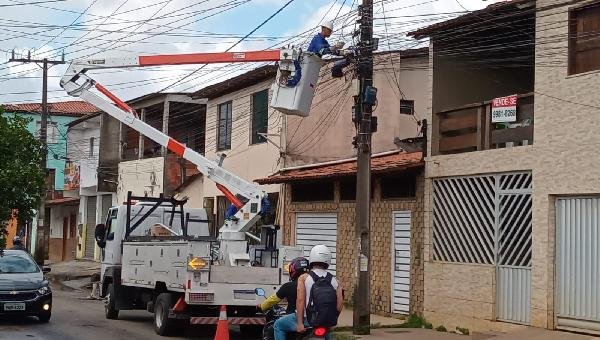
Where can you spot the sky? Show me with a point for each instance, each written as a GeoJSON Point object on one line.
{"type": "Point", "coordinates": [124, 28]}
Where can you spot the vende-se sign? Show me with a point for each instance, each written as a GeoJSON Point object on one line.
{"type": "Point", "coordinates": [504, 109]}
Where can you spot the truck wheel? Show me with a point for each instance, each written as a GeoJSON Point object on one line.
{"type": "Point", "coordinates": [110, 310]}
{"type": "Point", "coordinates": [162, 324]}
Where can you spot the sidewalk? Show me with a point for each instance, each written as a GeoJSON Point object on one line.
{"type": "Point", "coordinates": [426, 334]}
{"type": "Point", "coordinates": [345, 319]}
{"type": "Point", "coordinates": [72, 270]}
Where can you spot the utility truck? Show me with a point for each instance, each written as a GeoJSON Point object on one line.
{"type": "Point", "coordinates": [156, 254]}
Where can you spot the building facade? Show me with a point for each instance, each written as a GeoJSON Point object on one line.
{"type": "Point", "coordinates": [58, 240]}
{"type": "Point", "coordinates": [511, 187]}
{"type": "Point", "coordinates": [83, 154]}
{"type": "Point", "coordinates": [318, 179]}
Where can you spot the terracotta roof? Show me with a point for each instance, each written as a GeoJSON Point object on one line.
{"type": "Point", "coordinates": [384, 163]}
{"type": "Point", "coordinates": [237, 83]}
{"type": "Point", "coordinates": [63, 201]}
{"type": "Point", "coordinates": [70, 108]}
{"type": "Point", "coordinates": [469, 17]}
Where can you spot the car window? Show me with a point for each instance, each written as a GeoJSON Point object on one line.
{"type": "Point", "coordinates": [17, 264]}
{"type": "Point", "coordinates": [109, 225]}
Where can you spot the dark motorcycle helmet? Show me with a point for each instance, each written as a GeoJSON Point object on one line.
{"type": "Point", "coordinates": [297, 267]}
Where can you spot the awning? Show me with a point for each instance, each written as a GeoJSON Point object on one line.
{"type": "Point", "coordinates": [63, 201]}
{"type": "Point", "coordinates": [384, 163]}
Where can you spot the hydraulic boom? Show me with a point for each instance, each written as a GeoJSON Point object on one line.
{"type": "Point", "coordinates": [247, 197]}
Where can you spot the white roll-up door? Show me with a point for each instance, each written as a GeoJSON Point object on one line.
{"type": "Point", "coordinates": [90, 221]}
{"type": "Point", "coordinates": [317, 228]}
{"type": "Point", "coordinates": [401, 262]}
{"type": "Point", "coordinates": [578, 263]}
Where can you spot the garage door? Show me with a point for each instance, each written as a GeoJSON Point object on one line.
{"type": "Point", "coordinates": [317, 228]}
{"type": "Point", "coordinates": [401, 253]}
{"type": "Point", "coordinates": [578, 263]}
{"type": "Point", "coordinates": [90, 221]}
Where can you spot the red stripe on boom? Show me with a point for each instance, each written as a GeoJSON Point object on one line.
{"type": "Point", "coordinates": [176, 147]}
{"type": "Point", "coordinates": [120, 104]}
{"type": "Point", "coordinates": [230, 196]}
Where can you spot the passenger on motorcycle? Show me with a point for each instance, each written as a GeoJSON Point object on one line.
{"type": "Point", "coordinates": [288, 290]}
{"type": "Point", "coordinates": [319, 260]}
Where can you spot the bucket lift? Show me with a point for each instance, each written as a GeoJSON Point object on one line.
{"type": "Point", "coordinates": [293, 92]}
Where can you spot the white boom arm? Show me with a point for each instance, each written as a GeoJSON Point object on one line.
{"type": "Point", "coordinates": [245, 195]}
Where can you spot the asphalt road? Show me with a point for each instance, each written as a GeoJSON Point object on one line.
{"type": "Point", "coordinates": [75, 317]}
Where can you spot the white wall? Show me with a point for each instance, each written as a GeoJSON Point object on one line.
{"type": "Point", "coordinates": [143, 177]}
{"type": "Point", "coordinates": [78, 150]}
{"type": "Point", "coordinates": [57, 214]}
{"type": "Point", "coordinates": [247, 161]}
{"type": "Point", "coordinates": [194, 192]}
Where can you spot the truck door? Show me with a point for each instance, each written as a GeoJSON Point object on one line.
{"type": "Point", "coordinates": [113, 239]}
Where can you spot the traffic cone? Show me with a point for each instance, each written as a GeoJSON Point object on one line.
{"type": "Point", "coordinates": [222, 326]}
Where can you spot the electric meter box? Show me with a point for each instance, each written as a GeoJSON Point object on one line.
{"type": "Point", "coordinates": [297, 100]}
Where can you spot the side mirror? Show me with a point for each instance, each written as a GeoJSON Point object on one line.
{"type": "Point", "coordinates": [260, 292]}
{"type": "Point", "coordinates": [99, 234]}
{"type": "Point", "coordinates": [46, 270]}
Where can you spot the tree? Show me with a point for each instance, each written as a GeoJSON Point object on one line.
{"type": "Point", "coordinates": [22, 180]}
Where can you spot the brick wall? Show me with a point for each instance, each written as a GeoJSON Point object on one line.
{"type": "Point", "coordinates": [381, 242]}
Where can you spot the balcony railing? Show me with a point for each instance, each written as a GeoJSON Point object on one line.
{"type": "Point", "coordinates": [470, 128]}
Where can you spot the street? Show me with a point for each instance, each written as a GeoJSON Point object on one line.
{"type": "Point", "coordinates": [75, 317]}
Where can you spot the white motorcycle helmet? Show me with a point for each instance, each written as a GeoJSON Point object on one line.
{"type": "Point", "coordinates": [320, 254]}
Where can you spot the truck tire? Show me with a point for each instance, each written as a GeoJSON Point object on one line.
{"type": "Point", "coordinates": [110, 310]}
{"type": "Point", "coordinates": [162, 324]}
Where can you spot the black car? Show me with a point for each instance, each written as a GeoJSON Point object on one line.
{"type": "Point", "coordinates": [24, 291]}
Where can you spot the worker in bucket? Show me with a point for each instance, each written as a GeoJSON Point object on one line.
{"type": "Point", "coordinates": [319, 44]}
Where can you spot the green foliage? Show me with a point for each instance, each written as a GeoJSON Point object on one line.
{"type": "Point", "coordinates": [464, 331]}
{"type": "Point", "coordinates": [441, 329]}
{"type": "Point", "coordinates": [414, 321]}
{"type": "Point", "coordinates": [22, 180]}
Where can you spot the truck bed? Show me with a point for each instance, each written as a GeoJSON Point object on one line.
{"type": "Point", "coordinates": [148, 262]}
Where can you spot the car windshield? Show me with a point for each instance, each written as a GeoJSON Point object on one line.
{"type": "Point", "coordinates": [12, 263]}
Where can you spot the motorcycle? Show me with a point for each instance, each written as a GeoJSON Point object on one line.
{"type": "Point", "coordinates": [276, 312]}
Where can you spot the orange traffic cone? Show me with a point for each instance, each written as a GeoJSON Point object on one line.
{"type": "Point", "coordinates": [222, 326]}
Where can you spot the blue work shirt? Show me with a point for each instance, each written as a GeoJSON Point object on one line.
{"type": "Point", "coordinates": [319, 45]}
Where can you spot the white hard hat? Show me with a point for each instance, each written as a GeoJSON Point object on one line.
{"type": "Point", "coordinates": [328, 24]}
{"type": "Point", "coordinates": [321, 254]}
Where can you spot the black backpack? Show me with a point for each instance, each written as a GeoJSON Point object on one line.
{"type": "Point", "coordinates": [322, 305]}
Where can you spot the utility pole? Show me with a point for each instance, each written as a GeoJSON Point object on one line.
{"type": "Point", "coordinates": [43, 230]}
{"type": "Point", "coordinates": [366, 124]}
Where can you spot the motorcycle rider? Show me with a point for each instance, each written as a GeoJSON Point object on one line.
{"type": "Point", "coordinates": [18, 244]}
{"type": "Point", "coordinates": [288, 290]}
{"type": "Point", "coordinates": [319, 260]}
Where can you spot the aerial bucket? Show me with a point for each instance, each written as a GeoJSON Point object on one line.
{"type": "Point", "coordinates": [293, 93]}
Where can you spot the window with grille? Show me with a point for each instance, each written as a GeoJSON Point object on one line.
{"type": "Point", "coordinates": [483, 219]}
{"type": "Point", "coordinates": [91, 151]}
{"type": "Point", "coordinates": [348, 189]}
{"type": "Point", "coordinates": [584, 39]}
{"type": "Point", "coordinates": [260, 116]}
{"type": "Point", "coordinates": [224, 113]}
{"type": "Point", "coordinates": [402, 185]}
{"type": "Point", "coordinates": [312, 191]}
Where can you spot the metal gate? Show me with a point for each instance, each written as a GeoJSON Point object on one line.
{"type": "Point", "coordinates": [317, 228]}
{"type": "Point", "coordinates": [514, 248]}
{"type": "Point", "coordinates": [578, 263]}
{"type": "Point", "coordinates": [487, 220]}
{"type": "Point", "coordinates": [401, 262]}
{"type": "Point", "coordinates": [90, 222]}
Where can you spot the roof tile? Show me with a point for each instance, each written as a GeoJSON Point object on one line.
{"type": "Point", "coordinates": [69, 108]}
{"type": "Point", "coordinates": [396, 161]}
